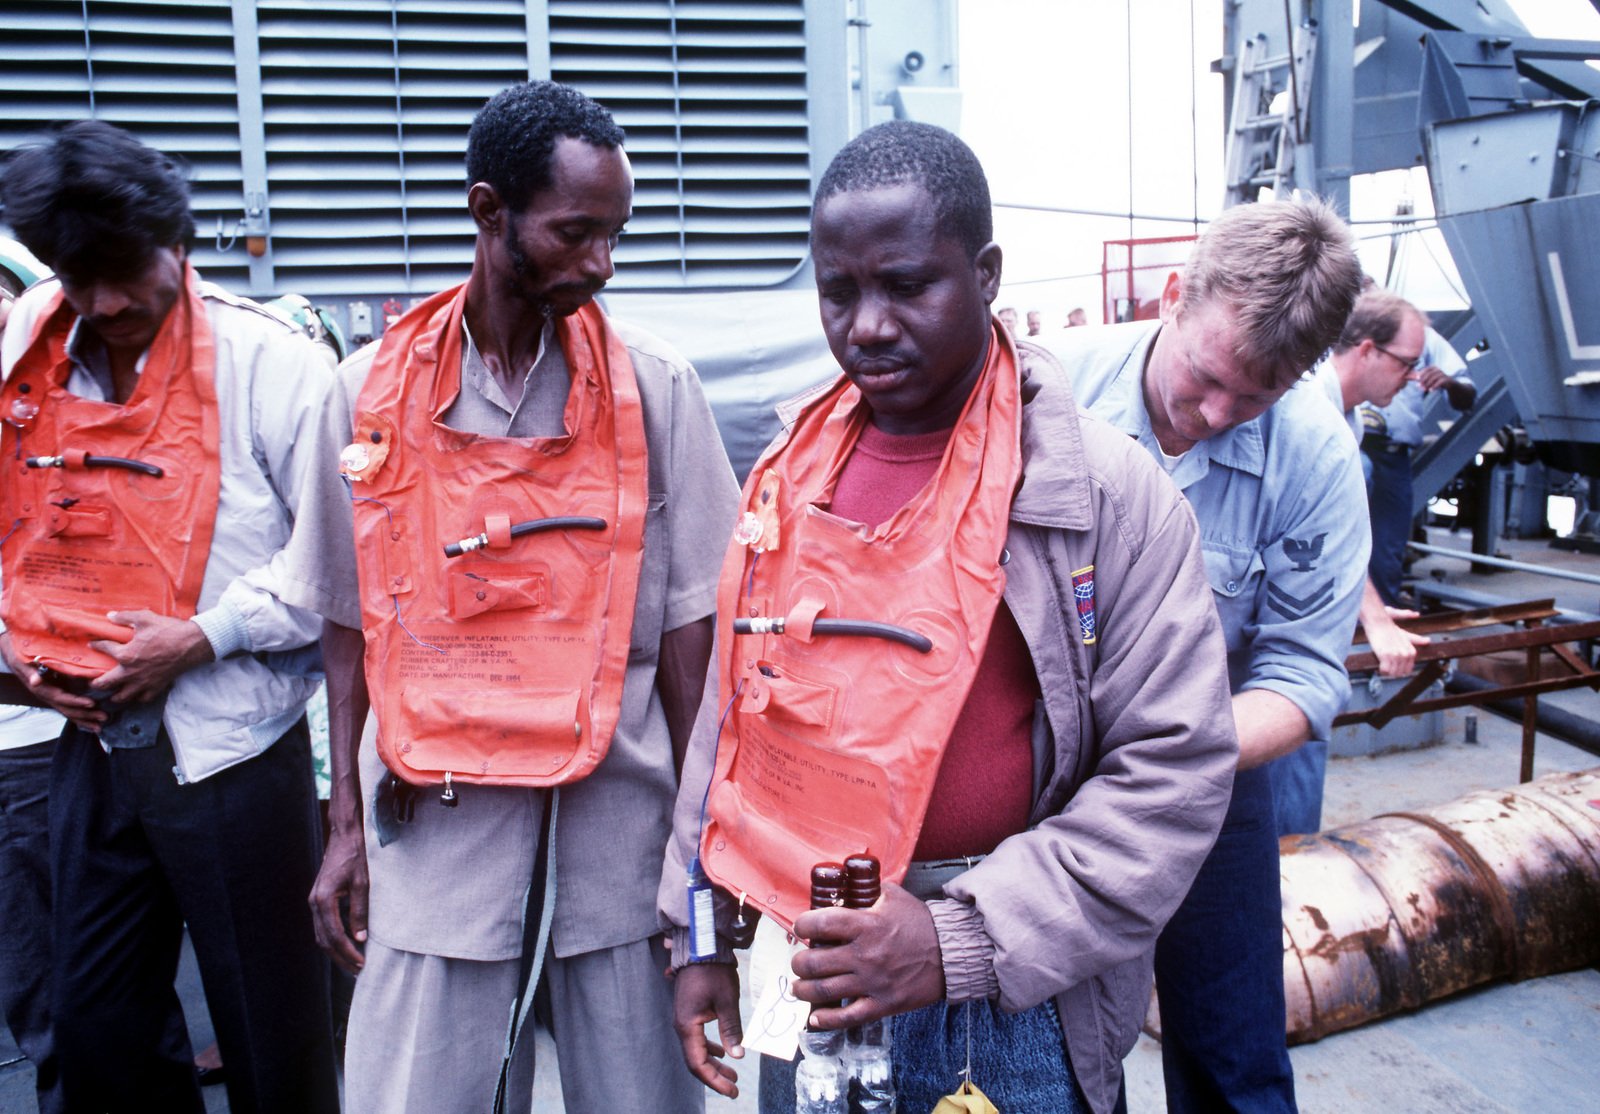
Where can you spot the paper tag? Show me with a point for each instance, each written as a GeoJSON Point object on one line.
{"type": "Point", "coordinates": [775, 1023]}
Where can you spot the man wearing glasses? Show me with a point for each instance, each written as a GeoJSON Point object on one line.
{"type": "Point", "coordinates": [1379, 351]}
{"type": "Point", "coordinates": [1393, 433]}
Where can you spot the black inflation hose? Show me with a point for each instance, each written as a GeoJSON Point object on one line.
{"type": "Point", "coordinates": [857, 628]}
{"type": "Point", "coordinates": [532, 526]}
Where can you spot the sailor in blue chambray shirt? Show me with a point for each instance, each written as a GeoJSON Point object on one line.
{"type": "Point", "coordinates": [1275, 482]}
{"type": "Point", "coordinates": [1282, 521]}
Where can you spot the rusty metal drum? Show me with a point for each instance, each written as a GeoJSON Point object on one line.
{"type": "Point", "coordinates": [1396, 911]}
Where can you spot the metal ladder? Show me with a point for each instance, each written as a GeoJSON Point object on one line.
{"type": "Point", "coordinates": [1261, 143]}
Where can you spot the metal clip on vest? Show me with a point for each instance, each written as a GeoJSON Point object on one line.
{"type": "Point", "coordinates": [448, 798]}
{"type": "Point", "coordinates": [859, 628]}
{"type": "Point", "coordinates": [532, 526]}
{"type": "Point", "coordinates": [96, 462]}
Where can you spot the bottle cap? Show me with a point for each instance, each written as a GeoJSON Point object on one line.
{"type": "Point", "coordinates": [862, 882]}
{"type": "Point", "coordinates": [827, 885]}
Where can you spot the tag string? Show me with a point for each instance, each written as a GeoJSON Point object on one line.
{"type": "Point", "coordinates": [966, 1009]}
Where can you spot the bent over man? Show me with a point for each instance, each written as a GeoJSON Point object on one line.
{"type": "Point", "coordinates": [965, 629]}
{"type": "Point", "coordinates": [540, 501]}
{"type": "Point", "coordinates": [1393, 434]}
{"type": "Point", "coordinates": [1273, 478]}
{"type": "Point", "coordinates": [163, 432]}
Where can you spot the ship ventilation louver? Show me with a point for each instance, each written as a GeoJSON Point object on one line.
{"type": "Point", "coordinates": [164, 71]}
{"type": "Point", "coordinates": [713, 97]}
{"type": "Point", "coordinates": [364, 107]}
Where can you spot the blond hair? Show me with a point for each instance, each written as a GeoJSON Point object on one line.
{"type": "Point", "coordinates": [1288, 270]}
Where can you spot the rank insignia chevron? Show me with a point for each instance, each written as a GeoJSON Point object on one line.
{"type": "Point", "coordinates": [1292, 607]}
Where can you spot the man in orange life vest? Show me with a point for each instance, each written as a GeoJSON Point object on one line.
{"type": "Point", "coordinates": [157, 422]}
{"type": "Point", "coordinates": [540, 502]}
{"type": "Point", "coordinates": [965, 628]}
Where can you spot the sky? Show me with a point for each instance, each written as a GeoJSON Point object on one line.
{"type": "Point", "coordinates": [1057, 110]}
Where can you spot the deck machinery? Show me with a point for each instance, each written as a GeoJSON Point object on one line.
{"type": "Point", "coordinates": [1508, 128]}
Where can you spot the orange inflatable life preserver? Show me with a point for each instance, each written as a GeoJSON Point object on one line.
{"type": "Point", "coordinates": [109, 507]}
{"type": "Point", "coordinates": [498, 574]}
{"type": "Point", "coordinates": [833, 739]}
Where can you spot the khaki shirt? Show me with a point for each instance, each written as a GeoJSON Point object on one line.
{"type": "Point", "coordinates": [455, 881]}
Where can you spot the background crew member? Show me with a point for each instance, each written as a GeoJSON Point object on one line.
{"type": "Point", "coordinates": [1393, 433]}
{"type": "Point", "coordinates": [1371, 361]}
{"type": "Point", "coordinates": [1273, 478]}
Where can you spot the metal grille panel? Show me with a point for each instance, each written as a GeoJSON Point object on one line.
{"type": "Point", "coordinates": [163, 70]}
{"type": "Point", "coordinates": [349, 118]}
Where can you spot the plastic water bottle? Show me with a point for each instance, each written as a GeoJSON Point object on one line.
{"type": "Point", "coordinates": [866, 1047]}
{"type": "Point", "coordinates": [819, 1078]}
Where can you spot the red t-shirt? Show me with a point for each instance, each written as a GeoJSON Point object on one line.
{"type": "Point", "coordinates": [985, 786]}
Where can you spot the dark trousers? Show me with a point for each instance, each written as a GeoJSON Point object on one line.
{"type": "Point", "coordinates": [135, 857]}
{"type": "Point", "coordinates": [25, 912]}
{"type": "Point", "coordinates": [1389, 507]}
{"type": "Point", "coordinates": [1219, 971]}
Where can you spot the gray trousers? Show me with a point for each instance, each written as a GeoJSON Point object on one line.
{"type": "Point", "coordinates": [427, 1034]}
{"type": "Point", "coordinates": [25, 911]}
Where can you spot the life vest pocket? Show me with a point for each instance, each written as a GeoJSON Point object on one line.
{"type": "Point", "coordinates": [779, 695]}
{"type": "Point", "coordinates": [792, 817]}
{"type": "Point", "coordinates": [528, 733]}
{"type": "Point", "coordinates": [474, 592]}
{"type": "Point", "coordinates": [70, 518]}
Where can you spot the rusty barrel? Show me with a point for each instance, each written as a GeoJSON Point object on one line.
{"type": "Point", "coordinates": [1399, 910]}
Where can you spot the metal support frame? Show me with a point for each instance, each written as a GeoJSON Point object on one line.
{"type": "Point", "coordinates": [1436, 464]}
{"type": "Point", "coordinates": [1435, 660]}
{"type": "Point", "coordinates": [1503, 563]}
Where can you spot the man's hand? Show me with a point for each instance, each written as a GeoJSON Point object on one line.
{"type": "Point", "coordinates": [1431, 378]}
{"type": "Point", "coordinates": [1461, 393]}
{"type": "Point", "coordinates": [343, 875]}
{"type": "Point", "coordinates": [703, 993]}
{"type": "Point", "coordinates": [161, 650]}
{"type": "Point", "coordinates": [81, 710]}
{"type": "Point", "coordinates": [1396, 647]}
{"type": "Point", "coordinates": [885, 960]}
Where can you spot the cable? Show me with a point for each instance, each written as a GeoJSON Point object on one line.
{"type": "Point", "coordinates": [520, 529]}
{"type": "Point", "coordinates": [1128, 13]}
{"type": "Point", "coordinates": [850, 628]}
{"type": "Point", "coordinates": [1194, 121]}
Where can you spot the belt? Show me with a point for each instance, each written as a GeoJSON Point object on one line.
{"type": "Point", "coordinates": [925, 880]}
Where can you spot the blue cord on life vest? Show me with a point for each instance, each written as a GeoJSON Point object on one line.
{"type": "Point", "coordinates": [398, 617]}
{"type": "Point", "coordinates": [696, 874]}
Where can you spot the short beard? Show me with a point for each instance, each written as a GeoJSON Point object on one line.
{"type": "Point", "coordinates": [522, 270]}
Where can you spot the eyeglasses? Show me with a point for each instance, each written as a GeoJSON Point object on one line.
{"type": "Point", "coordinates": [1414, 364]}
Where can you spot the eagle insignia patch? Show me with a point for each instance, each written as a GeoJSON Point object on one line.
{"type": "Point", "coordinates": [1304, 554]}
